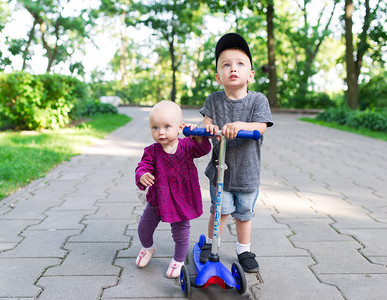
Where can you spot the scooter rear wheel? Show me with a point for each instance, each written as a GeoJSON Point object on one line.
{"type": "Point", "coordinates": [240, 278]}
{"type": "Point", "coordinates": [185, 281]}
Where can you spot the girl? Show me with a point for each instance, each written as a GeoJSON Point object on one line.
{"type": "Point", "coordinates": [174, 195]}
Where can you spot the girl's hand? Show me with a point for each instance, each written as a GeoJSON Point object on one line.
{"type": "Point", "coordinates": [191, 126]}
{"type": "Point", "coordinates": [147, 179]}
{"type": "Point", "coordinates": [212, 129]}
{"type": "Point", "coordinates": [199, 139]}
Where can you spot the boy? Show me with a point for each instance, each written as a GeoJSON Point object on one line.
{"type": "Point", "coordinates": [233, 109]}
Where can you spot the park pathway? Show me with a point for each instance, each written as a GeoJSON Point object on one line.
{"type": "Point", "coordinates": [320, 230]}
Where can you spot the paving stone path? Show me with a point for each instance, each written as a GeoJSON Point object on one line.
{"type": "Point", "coordinates": [320, 230]}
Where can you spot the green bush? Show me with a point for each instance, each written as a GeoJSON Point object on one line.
{"type": "Point", "coordinates": [334, 115]}
{"type": "Point", "coordinates": [311, 100]}
{"type": "Point", "coordinates": [369, 119]}
{"type": "Point", "coordinates": [373, 94]}
{"type": "Point", "coordinates": [39, 101]}
{"type": "Point", "coordinates": [57, 101]}
{"type": "Point", "coordinates": [96, 107]}
{"type": "Point", "coordinates": [21, 100]}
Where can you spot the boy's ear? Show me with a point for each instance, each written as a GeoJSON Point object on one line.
{"type": "Point", "coordinates": [251, 76]}
{"type": "Point", "coordinates": [217, 77]}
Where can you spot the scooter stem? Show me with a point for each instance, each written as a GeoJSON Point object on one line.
{"type": "Point", "coordinates": [218, 202]}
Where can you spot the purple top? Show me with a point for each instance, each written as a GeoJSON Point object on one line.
{"type": "Point", "coordinates": [176, 191]}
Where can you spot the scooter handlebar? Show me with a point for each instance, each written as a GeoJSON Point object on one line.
{"type": "Point", "coordinates": [242, 134]}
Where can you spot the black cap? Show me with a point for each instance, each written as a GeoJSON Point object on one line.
{"type": "Point", "coordinates": [232, 40]}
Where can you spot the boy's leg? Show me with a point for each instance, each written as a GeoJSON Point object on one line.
{"type": "Point", "coordinates": [243, 215]}
{"type": "Point", "coordinates": [227, 208]}
{"type": "Point", "coordinates": [211, 221]}
{"type": "Point", "coordinates": [207, 247]}
{"type": "Point", "coordinates": [243, 230]}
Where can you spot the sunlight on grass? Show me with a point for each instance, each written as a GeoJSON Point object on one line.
{"type": "Point", "coordinates": [26, 156]}
{"type": "Point", "coordinates": [362, 131]}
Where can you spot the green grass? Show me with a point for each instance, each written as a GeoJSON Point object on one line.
{"type": "Point", "coordinates": [362, 131]}
{"type": "Point", "coordinates": [26, 156]}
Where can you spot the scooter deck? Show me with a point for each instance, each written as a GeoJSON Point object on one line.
{"type": "Point", "coordinates": [211, 272]}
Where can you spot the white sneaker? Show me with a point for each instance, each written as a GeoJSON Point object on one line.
{"type": "Point", "coordinates": [144, 257]}
{"type": "Point", "coordinates": [174, 269]}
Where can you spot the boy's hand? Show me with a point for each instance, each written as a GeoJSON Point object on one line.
{"type": "Point", "coordinates": [230, 130]}
{"type": "Point", "coordinates": [147, 179]}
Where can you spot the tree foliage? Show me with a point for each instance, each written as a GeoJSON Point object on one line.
{"type": "Point", "coordinates": [292, 44]}
{"type": "Point", "coordinates": [57, 32]}
{"type": "Point", "coordinates": [174, 22]}
{"type": "Point", "coordinates": [301, 38]}
{"type": "Point", "coordinates": [4, 16]}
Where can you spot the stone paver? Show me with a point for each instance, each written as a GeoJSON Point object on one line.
{"type": "Point", "coordinates": [319, 232]}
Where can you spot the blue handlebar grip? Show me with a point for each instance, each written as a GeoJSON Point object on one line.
{"type": "Point", "coordinates": [245, 134]}
{"type": "Point", "coordinates": [197, 131]}
{"type": "Point", "coordinates": [242, 134]}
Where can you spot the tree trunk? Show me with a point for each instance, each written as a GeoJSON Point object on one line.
{"type": "Point", "coordinates": [352, 86]}
{"type": "Point", "coordinates": [50, 52]}
{"type": "Point", "coordinates": [26, 51]}
{"type": "Point", "coordinates": [124, 57]}
{"type": "Point", "coordinates": [362, 45]}
{"type": "Point", "coordinates": [272, 94]}
{"type": "Point", "coordinates": [173, 62]}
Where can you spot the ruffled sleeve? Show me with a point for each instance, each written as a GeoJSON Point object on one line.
{"type": "Point", "coordinates": [146, 165]}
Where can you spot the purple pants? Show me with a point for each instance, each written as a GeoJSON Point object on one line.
{"type": "Point", "coordinates": [180, 232]}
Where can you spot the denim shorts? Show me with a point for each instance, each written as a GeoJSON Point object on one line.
{"type": "Point", "coordinates": [239, 204]}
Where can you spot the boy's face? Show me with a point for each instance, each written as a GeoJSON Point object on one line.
{"type": "Point", "coordinates": [234, 69]}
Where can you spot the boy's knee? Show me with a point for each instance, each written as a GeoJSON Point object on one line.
{"type": "Point", "coordinates": [244, 217]}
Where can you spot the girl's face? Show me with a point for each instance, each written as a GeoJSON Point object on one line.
{"type": "Point", "coordinates": [165, 127]}
{"type": "Point", "coordinates": [234, 69]}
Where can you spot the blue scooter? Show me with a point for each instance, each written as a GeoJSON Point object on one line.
{"type": "Point", "coordinates": [213, 271]}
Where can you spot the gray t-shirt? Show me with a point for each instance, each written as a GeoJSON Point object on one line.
{"type": "Point", "coordinates": [243, 157]}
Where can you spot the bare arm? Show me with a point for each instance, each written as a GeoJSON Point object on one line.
{"type": "Point", "coordinates": [199, 139]}
{"type": "Point", "coordinates": [230, 130]}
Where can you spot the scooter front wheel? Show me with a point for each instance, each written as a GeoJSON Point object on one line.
{"type": "Point", "coordinates": [185, 281]}
{"type": "Point", "coordinates": [202, 240]}
{"type": "Point", "coordinates": [240, 278]}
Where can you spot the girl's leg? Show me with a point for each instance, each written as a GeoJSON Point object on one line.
{"type": "Point", "coordinates": [147, 225]}
{"type": "Point", "coordinates": [180, 234]}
